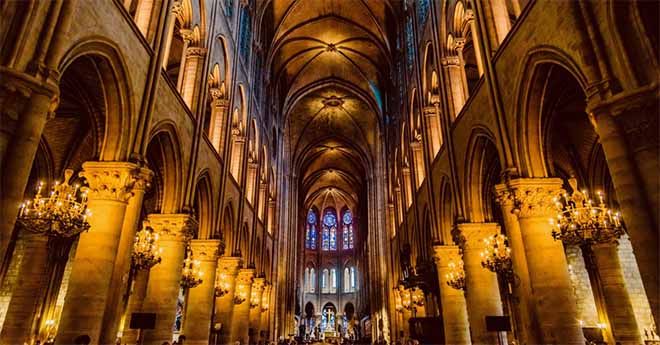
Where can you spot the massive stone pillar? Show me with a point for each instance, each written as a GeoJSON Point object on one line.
{"type": "Point", "coordinates": [25, 104]}
{"type": "Point", "coordinates": [627, 127]}
{"type": "Point", "coordinates": [164, 279]}
{"type": "Point", "coordinates": [255, 308]}
{"type": "Point", "coordinates": [264, 326]}
{"type": "Point", "coordinates": [527, 331]}
{"type": "Point", "coordinates": [240, 317]}
{"type": "Point", "coordinates": [454, 307]}
{"type": "Point", "coordinates": [124, 251]}
{"type": "Point", "coordinates": [617, 301]}
{"type": "Point", "coordinates": [28, 290]}
{"type": "Point", "coordinates": [89, 293]}
{"type": "Point", "coordinates": [482, 289]}
{"type": "Point", "coordinates": [224, 303]}
{"type": "Point", "coordinates": [200, 298]}
{"type": "Point", "coordinates": [135, 302]}
{"type": "Point", "coordinates": [451, 67]}
{"type": "Point", "coordinates": [555, 309]}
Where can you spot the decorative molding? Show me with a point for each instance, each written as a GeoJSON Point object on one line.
{"type": "Point", "coordinates": [474, 233]}
{"type": "Point", "coordinates": [173, 227]}
{"type": "Point", "coordinates": [112, 180]}
{"type": "Point", "coordinates": [207, 250]}
{"type": "Point", "coordinates": [245, 276]}
{"type": "Point", "coordinates": [195, 52]}
{"type": "Point", "coordinates": [535, 197]}
{"type": "Point", "coordinates": [443, 255]}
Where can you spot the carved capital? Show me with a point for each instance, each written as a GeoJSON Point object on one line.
{"type": "Point", "coordinates": [186, 35]}
{"type": "Point", "coordinates": [173, 227]}
{"type": "Point", "coordinates": [258, 284]}
{"type": "Point", "coordinates": [430, 111]}
{"type": "Point", "coordinates": [112, 180]}
{"type": "Point", "coordinates": [218, 97]}
{"type": "Point", "coordinates": [443, 255]}
{"type": "Point", "coordinates": [451, 61]}
{"type": "Point", "coordinates": [229, 265]}
{"type": "Point", "coordinates": [195, 52]}
{"type": "Point", "coordinates": [245, 276]}
{"type": "Point", "coordinates": [535, 197]}
{"type": "Point", "coordinates": [177, 8]}
{"type": "Point", "coordinates": [474, 233]}
{"type": "Point", "coordinates": [143, 178]}
{"type": "Point", "coordinates": [207, 250]}
{"type": "Point", "coordinates": [504, 196]}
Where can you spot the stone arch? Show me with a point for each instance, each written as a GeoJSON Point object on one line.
{"type": "Point", "coordinates": [482, 170]}
{"type": "Point", "coordinates": [203, 206]}
{"type": "Point", "coordinates": [446, 214]}
{"type": "Point", "coordinates": [113, 84]}
{"type": "Point", "coordinates": [534, 76]}
{"type": "Point", "coordinates": [164, 158]}
{"type": "Point", "coordinates": [227, 229]}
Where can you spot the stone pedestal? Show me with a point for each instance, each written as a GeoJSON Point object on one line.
{"type": "Point", "coordinates": [617, 301]}
{"type": "Point", "coordinates": [164, 279]}
{"type": "Point", "coordinates": [28, 291]}
{"type": "Point", "coordinates": [482, 289]}
{"type": "Point", "coordinates": [224, 305]}
{"type": "Point", "coordinates": [89, 293]}
{"type": "Point", "coordinates": [240, 317]}
{"type": "Point", "coordinates": [555, 309]}
{"type": "Point", "coordinates": [255, 308]}
{"type": "Point", "coordinates": [454, 308]}
{"type": "Point", "coordinates": [199, 309]}
{"type": "Point", "coordinates": [526, 331]}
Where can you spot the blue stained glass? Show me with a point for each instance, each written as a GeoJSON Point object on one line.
{"type": "Point", "coordinates": [410, 48]}
{"type": "Point", "coordinates": [329, 219]}
{"type": "Point", "coordinates": [329, 239]}
{"type": "Point", "coordinates": [311, 217]}
{"type": "Point", "coordinates": [313, 237]}
{"type": "Point", "coordinates": [229, 7]}
{"type": "Point", "coordinates": [422, 11]}
{"type": "Point", "coordinates": [245, 39]}
{"type": "Point", "coordinates": [310, 234]}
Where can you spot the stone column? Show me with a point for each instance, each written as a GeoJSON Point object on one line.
{"type": "Point", "coordinates": [454, 308]}
{"type": "Point", "coordinates": [452, 68]}
{"type": "Point", "coordinates": [627, 127]}
{"type": "Point", "coordinates": [255, 309]}
{"type": "Point", "coordinates": [240, 317]}
{"type": "Point", "coordinates": [176, 10]}
{"type": "Point", "coordinates": [164, 279]}
{"type": "Point", "coordinates": [124, 251]}
{"type": "Point", "coordinates": [237, 154]}
{"type": "Point", "coordinates": [265, 301]}
{"type": "Point", "coordinates": [433, 128]}
{"type": "Point", "coordinates": [90, 289]}
{"type": "Point", "coordinates": [617, 301]}
{"type": "Point", "coordinates": [189, 88]}
{"type": "Point", "coordinates": [135, 302]}
{"type": "Point", "coordinates": [28, 290]}
{"type": "Point", "coordinates": [200, 298]}
{"type": "Point", "coordinates": [555, 308]}
{"type": "Point", "coordinates": [469, 14]}
{"type": "Point", "coordinates": [460, 44]}
{"type": "Point", "coordinates": [143, 16]}
{"type": "Point", "coordinates": [218, 113]}
{"type": "Point", "coordinates": [187, 37]}
{"type": "Point", "coordinates": [224, 305]}
{"type": "Point", "coordinates": [527, 332]}
{"type": "Point", "coordinates": [482, 289]}
{"type": "Point", "coordinates": [25, 105]}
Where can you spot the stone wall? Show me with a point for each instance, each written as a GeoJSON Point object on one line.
{"type": "Point", "coordinates": [586, 304]}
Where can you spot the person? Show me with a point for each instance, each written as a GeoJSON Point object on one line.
{"type": "Point", "coordinates": [82, 340]}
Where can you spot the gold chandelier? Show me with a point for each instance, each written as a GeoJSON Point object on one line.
{"type": "Point", "coordinates": [254, 300]}
{"type": "Point", "coordinates": [264, 302]}
{"type": "Point", "coordinates": [456, 276]}
{"type": "Point", "coordinates": [60, 214]}
{"type": "Point", "coordinates": [222, 285]}
{"type": "Point", "coordinates": [240, 296]}
{"type": "Point", "coordinates": [417, 296]}
{"type": "Point", "coordinates": [580, 220]}
{"type": "Point", "coordinates": [191, 276]}
{"type": "Point", "coordinates": [496, 257]}
{"type": "Point", "coordinates": [146, 251]}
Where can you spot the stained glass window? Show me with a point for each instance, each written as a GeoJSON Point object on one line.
{"type": "Point", "coordinates": [310, 233]}
{"type": "Point", "coordinates": [422, 11]}
{"type": "Point", "coordinates": [245, 39]}
{"type": "Point", "coordinates": [229, 7]}
{"type": "Point", "coordinates": [329, 230]}
{"type": "Point", "coordinates": [347, 231]}
{"type": "Point", "coordinates": [410, 46]}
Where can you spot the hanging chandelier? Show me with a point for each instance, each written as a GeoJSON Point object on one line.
{"type": "Point", "coordinates": [59, 214]}
{"type": "Point", "coordinates": [264, 302]}
{"type": "Point", "coordinates": [581, 220]}
{"type": "Point", "coordinates": [417, 296]}
{"type": "Point", "coordinates": [496, 257]}
{"type": "Point", "coordinates": [222, 285]}
{"type": "Point", "coordinates": [191, 276]}
{"type": "Point", "coordinates": [254, 300]}
{"type": "Point", "coordinates": [240, 296]}
{"type": "Point", "coordinates": [146, 251]}
{"type": "Point", "coordinates": [456, 276]}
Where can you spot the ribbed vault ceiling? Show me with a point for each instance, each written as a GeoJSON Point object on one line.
{"type": "Point", "coordinates": [331, 60]}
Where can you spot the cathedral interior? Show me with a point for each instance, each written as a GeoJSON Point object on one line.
{"type": "Point", "coordinates": [329, 171]}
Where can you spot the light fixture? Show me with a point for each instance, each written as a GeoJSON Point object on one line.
{"type": "Point", "coordinates": [254, 299]}
{"type": "Point", "coordinates": [146, 251]}
{"type": "Point", "coordinates": [222, 285]}
{"type": "Point", "coordinates": [417, 296]}
{"type": "Point", "coordinates": [60, 214]}
{"type": "Point", "coordinates": [191, 276]}
{"type": "Point", "coordinates": [456, 276]}
{"type": "Point", "coordinates": [582, 221]}
{"type": "Point", "coordinates": [240, 296]}
{"type": "Point", "coordinates": [264, 302]}
{"type": "Point", "coordinates": [496, 256]}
